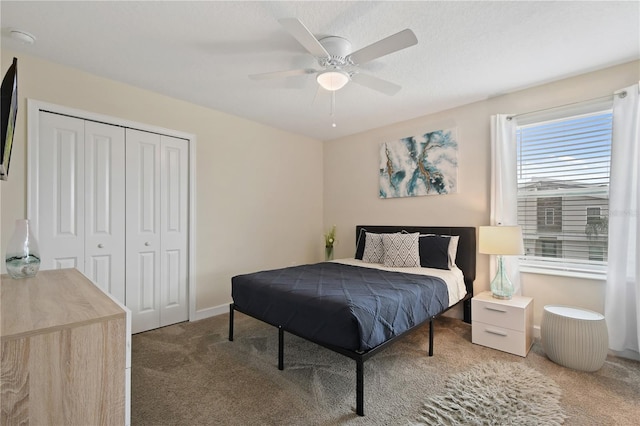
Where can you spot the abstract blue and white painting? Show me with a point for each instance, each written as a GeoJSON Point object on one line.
{"type": "Point", "coordinates": [419, 165]}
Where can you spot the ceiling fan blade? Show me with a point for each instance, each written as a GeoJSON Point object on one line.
{"type": "Point", "coordinates": [304, 37]}
{"type": "Point", "coordinates": [393, 43]}
{"type": "Point", "coordinates": [281, 74]}
{"type": "Point", "coordinates": [376, 83]}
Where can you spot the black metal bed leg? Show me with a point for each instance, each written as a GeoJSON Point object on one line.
{"type": "Point", "coordinates": [231, 310]}
{"type": "Point", "coordinates": [280, 348]}
{"type": "Point", "coordinates": [431, 337]}
{"type": "Point", "coordinates": [360, 387]}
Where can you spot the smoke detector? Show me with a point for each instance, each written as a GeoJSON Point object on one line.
{"type": "Point", "coordinates": [22, 36]}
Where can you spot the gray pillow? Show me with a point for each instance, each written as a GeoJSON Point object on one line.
{"type": "Point", "coordinates": [401, 250]}
{"type": "Point", "coordinates": [373, 248]}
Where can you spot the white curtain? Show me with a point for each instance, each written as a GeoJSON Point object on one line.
{"type": "Point", "coordinates": [622, 297]}
{"type": "Point", "coordinates": [504, 186]}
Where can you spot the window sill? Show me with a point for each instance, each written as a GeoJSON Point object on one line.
{"type": "Point", "coordinates": [589, 275]}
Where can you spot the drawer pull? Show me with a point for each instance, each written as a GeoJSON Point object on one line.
{"type": "Point", "coordinates": [495, 309]}
{"type": "Point", "coordinates": [497, 333]}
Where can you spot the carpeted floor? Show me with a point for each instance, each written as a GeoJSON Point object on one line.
{"type": "Point", "coordinates": [496, 392]}
{"type": "Point", "coordinates": [190, 374]}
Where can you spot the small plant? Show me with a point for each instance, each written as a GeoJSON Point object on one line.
{"type": "Point", "coordinates": [330, 238]}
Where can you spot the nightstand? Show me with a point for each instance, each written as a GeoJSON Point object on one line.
{"type": "Point", "coordinates": [506, 325]}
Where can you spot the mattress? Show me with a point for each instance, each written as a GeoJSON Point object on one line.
{"type": "Point", "coordinates": [346, 303]}
{"type": "Point", "coordinates": [453, 278]}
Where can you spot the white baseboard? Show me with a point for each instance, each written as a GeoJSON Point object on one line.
{"type": "Point", "coordinates": [626, 354]}
{"type": "Point", "coordinates": [536, 331]}
{"type": "Point", "coordinates": [210, 312]}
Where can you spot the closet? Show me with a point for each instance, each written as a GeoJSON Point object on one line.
{"type": "Point", "coordinates": [113, 202]}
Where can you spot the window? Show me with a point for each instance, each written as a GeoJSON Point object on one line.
{"type": "Point", "coordinates": [549, 214]}
{"type": "Point", "coordinates": [548, 248]}
{"type": "Point", "coordinates": [596, 253]}
{"type": "Point", "coordinates": [563, 169]}
{"type": "Point", "coordinates": [593, 215]}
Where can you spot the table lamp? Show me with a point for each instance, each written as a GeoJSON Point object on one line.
{"type": "Point", "coordinates": [501, 241]}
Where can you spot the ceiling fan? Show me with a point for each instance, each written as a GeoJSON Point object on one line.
{"type": "Point", "coordinates": [337, 63]}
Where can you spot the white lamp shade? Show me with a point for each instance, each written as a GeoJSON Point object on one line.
{"type": "Point", "coordinates": [332, 80]}
{"type": "Point", "coordinates": [501, 240]}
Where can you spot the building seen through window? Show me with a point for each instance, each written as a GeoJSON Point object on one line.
{"type": "Point", "coordinates": [563, 170]}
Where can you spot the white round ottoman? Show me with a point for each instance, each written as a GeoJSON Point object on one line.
{"type": "Point", "coordinates": [574, 337]}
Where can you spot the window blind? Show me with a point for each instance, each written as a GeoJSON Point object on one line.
{"type": "Point", "coordinates": [563, 170]}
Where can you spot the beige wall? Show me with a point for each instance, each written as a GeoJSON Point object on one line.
{"type": "Point", "coordinates": [258, 205]}
{"type": "Point", "coordinates": [351, 178]}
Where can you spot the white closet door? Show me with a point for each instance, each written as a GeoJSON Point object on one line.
{"type": "Point", "coordinates": [174, 201]}
{"type": "Point", "coordinates": [143, 229]}
{"type": "Point", "coordinates": [113, 202]}
{"type": "Point", "coordinates": [60, 176]}
{"type": "Point", "coordinates": [105, 207]}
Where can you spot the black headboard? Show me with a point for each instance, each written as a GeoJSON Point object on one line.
{"type": "Point", "coordinates": [465, 258]}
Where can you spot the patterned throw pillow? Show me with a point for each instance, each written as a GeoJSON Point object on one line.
{"type": "Point", "coordinates": [373, 249]}
{"type": "Point", "coordinates": [401, 250]}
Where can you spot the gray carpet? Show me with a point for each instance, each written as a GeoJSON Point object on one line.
{"type": "Point", "coordinates": [190, 374]}
{"type": "Point", "coordinates": [496, 392]}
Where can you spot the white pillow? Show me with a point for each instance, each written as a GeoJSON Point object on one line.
{"type": "Point", "coordinates": [373, 249]}
{"type": "Point", "coordinates": [401, 250]}
{"type": "Point", "coordinates": [453, 250]}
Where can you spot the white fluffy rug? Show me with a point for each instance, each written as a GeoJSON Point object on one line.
{"type": "Point", "coordinates": [496, 393]}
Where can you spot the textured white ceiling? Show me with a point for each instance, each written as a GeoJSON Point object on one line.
{"type": "Point", "coordinates": [202, 52]}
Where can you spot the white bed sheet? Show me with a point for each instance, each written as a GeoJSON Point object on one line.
{"type": "Point", "coordinates": [452, 277]}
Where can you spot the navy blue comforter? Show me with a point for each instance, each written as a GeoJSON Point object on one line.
{"type": "Point", "coordinates": [350, 307]}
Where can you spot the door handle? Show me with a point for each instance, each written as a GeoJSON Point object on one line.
{"type": "Point", "coordinates": [147, 244]}
{"type": "Point", "coordinates": [100, 245]}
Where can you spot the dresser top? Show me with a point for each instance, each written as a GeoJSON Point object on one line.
{"type": "Point", "coordinates": [517, 301]}
{"type": "Point", "coordinates": [52, 300]}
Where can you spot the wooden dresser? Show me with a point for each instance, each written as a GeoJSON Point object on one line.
{"type": "Point", "coordinates": [65, 352]}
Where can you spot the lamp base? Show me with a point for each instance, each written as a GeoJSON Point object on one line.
{"type": "Point", "coordinates": [498, 296]}
{"type": "Point", "coordinates": [501, 287]}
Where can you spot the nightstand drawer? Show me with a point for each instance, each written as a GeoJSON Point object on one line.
{"type": "Point", "coordinates": [498, 314]}
{"type": "Point", "coordinates": [503, 339]}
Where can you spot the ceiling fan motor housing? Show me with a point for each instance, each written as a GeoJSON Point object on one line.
{"type": "Point", "coordinates": [337, 60]}
{"type": "Point", "coordinates": [338, 48]}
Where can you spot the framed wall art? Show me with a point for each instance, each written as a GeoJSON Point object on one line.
{"type": "Point", "coordinates": [419, 165]}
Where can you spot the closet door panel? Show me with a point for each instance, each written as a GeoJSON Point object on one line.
{"type": "Point", "coordinates": [143, 228]}
{"type": "Point", "coordinates": [171, 297]}
{"type": "Point", "coordinates": [147, 282]}
{"type": "Point", "coordinates": [60, 217]}
{"type": "Point", "coordinates": [66, 262]}
{"type": "Point", "coordinates": [174, 230]}
{"type": "Point", "coordinates": [105, 207]}
{"type": "Point", "coordinates": [113, 202]}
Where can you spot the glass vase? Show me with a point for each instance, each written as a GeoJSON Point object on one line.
{"type": "Point", "coordinates": [501, 286]}
{"type": "Point", "coordinates": [328, 253]}
{"type": "Point", "coordinates": [23, 254]}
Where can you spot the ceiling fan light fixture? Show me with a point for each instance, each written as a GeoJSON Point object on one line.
{"type": "Point", "coordinates": [333, 80]}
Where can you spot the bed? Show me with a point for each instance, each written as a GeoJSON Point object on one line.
{"type": "Point", "coordinates": [356, 307]}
